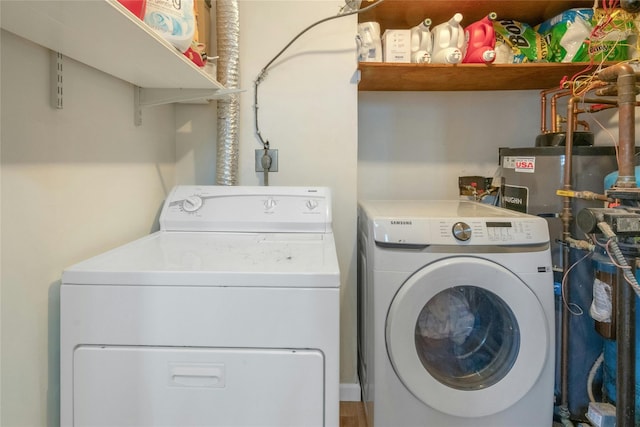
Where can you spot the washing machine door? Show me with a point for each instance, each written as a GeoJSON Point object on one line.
{"type": "Point", "coordinates": [466, 336]}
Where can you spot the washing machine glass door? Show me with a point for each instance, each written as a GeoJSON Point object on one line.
{"type": "Point", "coordinates": [467, 336]}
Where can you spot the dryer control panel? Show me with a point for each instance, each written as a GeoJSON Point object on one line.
{"type": "Point", "coordinates": [247, 209]}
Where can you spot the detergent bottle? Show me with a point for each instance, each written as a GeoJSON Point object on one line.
{"type": "Point", "coordinates": [480, 41]}
{"type": "Point", "coordinates": [369, 42]}
{"type": "Point", "coordinates": [448, 41]}
{"type": "Point", "coordinates": [421, 42]}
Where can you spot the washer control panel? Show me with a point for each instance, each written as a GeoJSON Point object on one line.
{"type": "Point", "coordinates": [452, 231]}
{"type": "Point", "coordinates": [247, 209]}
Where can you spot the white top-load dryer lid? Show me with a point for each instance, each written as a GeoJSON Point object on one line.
{"type": "Point", "coordinates": [261, 257]}
{"type": "Point", "coordinates": [431, 222]}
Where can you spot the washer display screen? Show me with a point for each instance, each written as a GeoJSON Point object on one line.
{"type": "Point", "coordinates": [467, 337]}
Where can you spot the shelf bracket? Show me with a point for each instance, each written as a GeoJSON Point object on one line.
{"type": "Point", "coordinates": [149, 97]}
{"type": "Point", "coordinates": [56, 79]}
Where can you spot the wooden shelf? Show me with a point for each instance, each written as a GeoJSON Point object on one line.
{"type": "Point", "coordinates": [105, 35]}
{"type": "Point", "coordinates": [398, 14]}
{"type": "Point", "coordinates": [402, 14]}
{"type": "Point", "coordinates": [378, 76]}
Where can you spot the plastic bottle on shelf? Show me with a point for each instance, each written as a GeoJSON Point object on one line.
{"type": "Point", "coordinates": [137, 7]}
{"type": "Point", "coordinates": [448, 41]}
{"type": "Point", "coordinates": [480, 39]}
{"type": "Point", "coordinates": [369, 42]}
{"type": "Point", "coordinates": [174, 21]}
{"type": "Point", "coordinates": [421, 42]}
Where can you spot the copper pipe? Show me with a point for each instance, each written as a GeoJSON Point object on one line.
{"type": "Point", "coordinates": [625, 78]}
{"type": "Point", "coordinates": [543, 108]}
{"type": "Point", "coordinates": [590, 195]}
{"type": "Point", "coordinates": [584, 124]}
{"type": "Point", "coordinates": [607, 104]}
{"type": "Point", "coordinates": [555, 119]}
{"type": "Point", "coordinates": [566, 218]}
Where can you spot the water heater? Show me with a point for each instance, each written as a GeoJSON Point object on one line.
{"type": "Point", "coordinates": [531, 177]}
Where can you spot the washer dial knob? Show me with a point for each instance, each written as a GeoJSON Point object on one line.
{"type": "Point", "coordinates": [461, 231]}
{"type": "Point", "coordinates": [192, 203]}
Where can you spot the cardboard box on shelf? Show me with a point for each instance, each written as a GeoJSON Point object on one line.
{"type": "Point", "coordinates": [203, 24]}
{"type": "Point", "coordinates": [396, 46]}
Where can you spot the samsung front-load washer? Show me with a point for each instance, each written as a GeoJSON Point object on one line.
{"type": "Point", "coordinates": [227, 316]}
{"type": "Point", "coordinates": [456, 315]}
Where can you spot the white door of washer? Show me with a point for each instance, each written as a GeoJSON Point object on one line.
{"type": "Point", "coordinates": [466, 336]}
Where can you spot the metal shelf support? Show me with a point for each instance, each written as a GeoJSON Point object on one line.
{"type": "Point", "coordinates": [56, 80]}
{"type": "Point", "coordinates": [150, 97]}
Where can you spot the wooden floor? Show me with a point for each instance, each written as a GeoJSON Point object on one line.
{"type": "Point", "coordinates": [352, 414]}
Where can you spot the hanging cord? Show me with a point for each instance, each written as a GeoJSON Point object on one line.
{"type": "Point", "coordinates": [573, 308]}
{"type": "Point", "coordinates": [263, 73]}
{"type": "Point", "coordinates": [592, 375]}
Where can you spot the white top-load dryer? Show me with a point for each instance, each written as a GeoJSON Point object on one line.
{"type": "Point", "coordinates": [227, 316]}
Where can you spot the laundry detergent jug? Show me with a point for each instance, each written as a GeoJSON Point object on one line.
{"type": "Point", "coordinates": [369, 42]}
{"type": "Point", "coordinates": [421, 42]}
{"type": "Point", "coordinates": [480, 39]}
{"type": "Point", "coordinates": [448, 41]}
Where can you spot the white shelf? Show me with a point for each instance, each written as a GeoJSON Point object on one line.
{"type": "Point", "coordinates": [105, 35]}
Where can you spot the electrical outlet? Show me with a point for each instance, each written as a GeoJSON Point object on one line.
{"type": "Point", "coordinates": [274, 160]}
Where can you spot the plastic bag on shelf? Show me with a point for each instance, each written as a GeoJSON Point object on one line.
{"type": "Point", "coordinates": [579, 35]}
{"type": "Point", "coordinates": [525, 44]}
{"type": "Point", "coordinates": [173, 20]}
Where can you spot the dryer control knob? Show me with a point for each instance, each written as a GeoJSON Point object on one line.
{"type": "Point", "coordinates": [269, 204]}
{"type": "Point", "coordinates": [461, 231]}
{"type": "Point", "coordinates": [192, 203]}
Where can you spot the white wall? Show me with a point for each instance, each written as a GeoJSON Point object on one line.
{"type": "Point", "coordinates": [417, 144]}
{"type": "Point", "coordinates": [308, 111]}
{"type": "Point", "coordinates": [75, 182]}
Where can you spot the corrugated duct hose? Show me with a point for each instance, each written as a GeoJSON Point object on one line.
{"type": "Point", "coordinates": [228, 35]}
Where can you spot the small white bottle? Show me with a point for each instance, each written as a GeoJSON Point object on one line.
{"type": "Point", "coordinates": [448, 41]}
{"type": "Point", "coordinates": [421, 42]}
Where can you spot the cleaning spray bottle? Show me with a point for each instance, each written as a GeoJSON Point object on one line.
{"type": "Point", "coordinates": [480, 40]}
{"type": "Point", "coordinates": [421, 42]}
{"type": "Point", "coordinates": [448, 41]}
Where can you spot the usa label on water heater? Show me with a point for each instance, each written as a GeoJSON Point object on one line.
{"type": "Point", "coordinates": [520, 164]}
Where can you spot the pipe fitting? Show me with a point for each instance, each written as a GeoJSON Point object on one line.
{"type": "Point", "coordinates": [625, 78]}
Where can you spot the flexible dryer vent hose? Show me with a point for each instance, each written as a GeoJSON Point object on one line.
{"type": "Point", "coordinates": [228, 35]}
